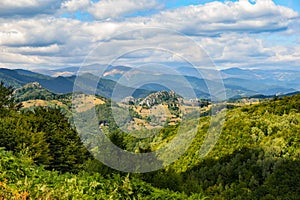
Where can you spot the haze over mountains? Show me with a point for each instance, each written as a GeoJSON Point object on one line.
{"type": "Point", "coordinates": [237, 82]}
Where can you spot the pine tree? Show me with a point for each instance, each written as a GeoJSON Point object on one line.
{"type": "Point", "coordinates": [7, 100]}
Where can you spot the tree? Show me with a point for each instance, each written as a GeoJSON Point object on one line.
{"type": "Point", "coordinates": [17, 135]}
{"type": "Point", "coordinates": [66, 149]}
{"type": "Point", "coordinates": [7, 100]}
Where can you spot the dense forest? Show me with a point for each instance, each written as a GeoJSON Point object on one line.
{"type": "Point", "coordinates": [256, 157]}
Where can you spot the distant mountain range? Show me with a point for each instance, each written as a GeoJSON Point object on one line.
{"type": "Point", "coordinates": [238, 82]}
{"type": "Point", "coordinates": [61, 85]}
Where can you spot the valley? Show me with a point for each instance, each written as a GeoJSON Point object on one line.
{"type": "Point", "coordinates": [149, 100]}
{"type": "Point", "coordinates": [258, 146]}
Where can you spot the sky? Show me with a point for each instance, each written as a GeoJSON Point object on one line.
{"type": "Point", "coordinates": [261, 34]}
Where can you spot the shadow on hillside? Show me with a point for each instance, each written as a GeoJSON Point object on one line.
{"type": "Point", "coordinates": [246, 174]}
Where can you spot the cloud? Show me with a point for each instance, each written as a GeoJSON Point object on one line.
{"type": "Point", "coordinates": [232, 33]}
{"type": "Point", "coordinates": [36, 32]}
{"type": "Point", "coordinates": [15, 59]}
{"type": "Point", "coordinates": [217, 17]}
{"type": "Point", "coordinates": [75, 5]}
{"type": "Point", "coordinates": [116, 8]}
{"type": "Point", "coordinates": [43, 42]}
{"type": "Point", "coordinates": [28, 8]}
{"type": "Point", "coordinates": [285, 54]}
{"type": "Point", "coordinates": [233, 49]}
{"type": "Point", "coordinates": [44, 50]}
{"type": "Point", "coordinates": [251, 51]}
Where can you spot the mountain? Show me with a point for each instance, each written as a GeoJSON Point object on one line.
{"type": "Point", "coordinates": [62, 85]}
{"type": "Point", "coordinates": [188, 82]}
{"type": "Point", "coordinates": [237, 82]}
{"type": "Point", "coordinates": [279, 78]}
{"type": "Point", "coordinates": [109, 71]}
{"type": "Point", "coordinates": [115, 72]}
{"type": "Point", "coordinates": [239, 72]}
{"type": "Point", "coordinates": [18, 78]}
{"type": "Point", "coordinates": [160, 97]}
{"type": "Point", "coordinates": [259, 86]}
{"type": "Point", "coordinates": [68, 71]}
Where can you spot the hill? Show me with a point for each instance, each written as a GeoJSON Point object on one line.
{"type": "Point", "coordinates": [44, 158]}
{"type": "Point", "coordinates": [21, 179]}
{"type": "Point", "coordinates": [256, 156]}
{"type": "Point", "coordinates": [32, 91]}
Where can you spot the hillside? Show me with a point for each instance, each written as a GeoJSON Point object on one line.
{"type": "Point", "coordinates": [45, 159]}
{"type": "Point", "coordinates": [39, 183]}
{"type": "Point", "coordinates": [32, 91]}
{"type": "Point", "coordinates": [257, 156]}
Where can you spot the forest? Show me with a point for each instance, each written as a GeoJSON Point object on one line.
{"type": "Point", "coordinates": [256, 157]}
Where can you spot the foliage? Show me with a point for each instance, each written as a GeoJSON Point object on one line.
{"type": "Point", "coordinates": [256, 156]}
{"type": "Point", "coordinates": [32, 91]}
{"type": "Point", "coordinates": [66, 150]}
{"type": "Point", "coordinates": [7, 101]}
{"type": "Point", "coordinates": [20, 179]}
{"type": "Point", "coordinates": [46, 136]}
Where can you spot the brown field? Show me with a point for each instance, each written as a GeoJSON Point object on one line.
{"type": "Point", "coordinates": [85, 102]}
{"type": "Point", "coordinates": [38, 102]}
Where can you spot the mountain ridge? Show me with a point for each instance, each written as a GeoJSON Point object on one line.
{"type": "Point", "coordinates": [235, 81]}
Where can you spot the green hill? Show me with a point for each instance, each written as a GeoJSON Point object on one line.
{"type": "Point", "coordinates": [257, 156]}
{"type": "Point", "coordinates": [21, 179]}
{"type": "Point", "coordinates": [33, 91]}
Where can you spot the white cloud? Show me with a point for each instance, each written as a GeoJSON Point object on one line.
{"type": "Point", "coordinates": [45, 50]}
{"type": "Point", "coordinates": [16, 4]}
{"type": "Point", "coordinates": [36, 31]}
{"type": "Point", "coordinates": [43, 42]}
{"type": "Point", "coordinates": [285, 54]}
{"type": "Point", "coordinates": [217, 17]}
{"type": "Point", "coordinates": [250, 51]}
{"type": "Point", "coordinates": [16, 58]}
{"type": "Point", "coordinates": [27, 8]}
{"type": "Point", "coordinates": [230, 32]}
{"type": "Point", "coordinates": [75, 5]}
{"type": "Point", "coordinates": [115, 8]}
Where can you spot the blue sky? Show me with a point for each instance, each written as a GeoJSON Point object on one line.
{"type": "Point", "coordinates": [62, 33]}
{"type": "Point", "coordinates": [289, 3]}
